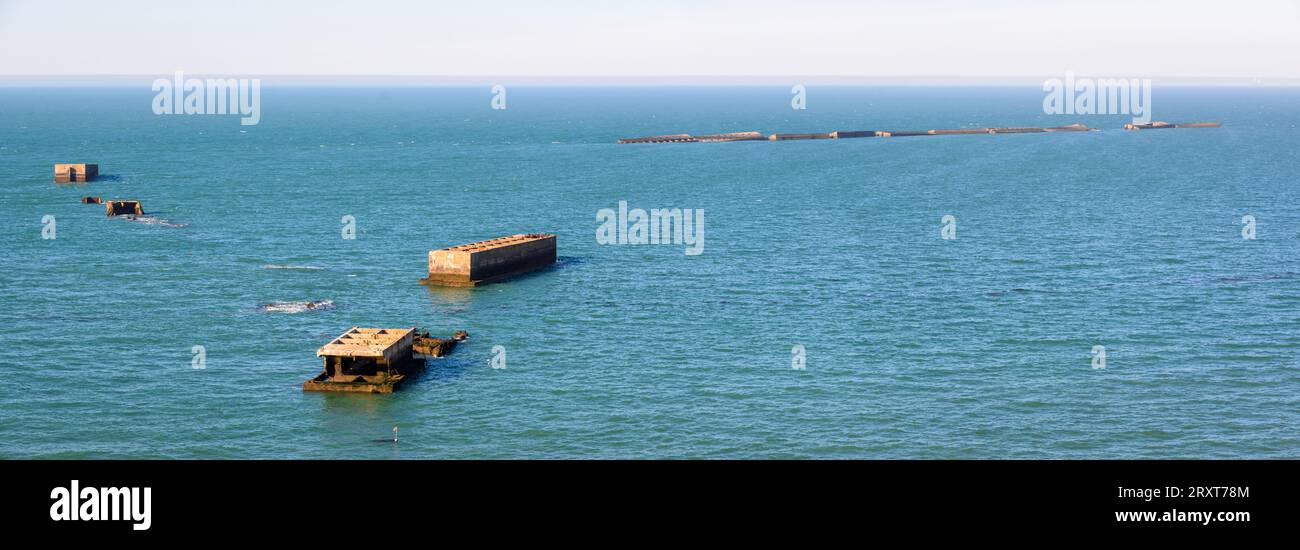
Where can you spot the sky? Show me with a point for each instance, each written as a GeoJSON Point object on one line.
{"type": "Point", "coordinates": [1189, 38]}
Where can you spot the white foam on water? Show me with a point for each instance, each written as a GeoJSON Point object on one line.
{"type": "Point", "coordinates": [291, 266]}
{"type": "Point", "coordinates": [150, 220]}
{"type": "Point", "coordinates": [297, 306]}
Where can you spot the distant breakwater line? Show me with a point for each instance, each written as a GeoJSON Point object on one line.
{"type": "Point", "coordinates": [844, 134]}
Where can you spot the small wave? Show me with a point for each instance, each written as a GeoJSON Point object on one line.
{"type": "Point", "coordinates": [150, 220]}
{"type": "Point", "coordinates": [291, 266]}
{"type": "Point", "coordinates": [1005, 292]}
{"type": "Point", "coordinates": [297, 306]}
{"type": "Point", "coordinates": [1256, 278]}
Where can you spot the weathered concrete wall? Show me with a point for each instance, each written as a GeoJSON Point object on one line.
{"type": "Point", "coordinates": [734, 136]}
{"type": "Point", "coordinates": [961, 131]}
{"type": "Point", "coordinates": [449, 263]}
{"type": "Point", "coordinates": [788, 137]}
{"type": "Point", "coordinates": [687, 138]}
{"type": "Point", "coordinates": [844, 134]}
{"type": "Point", "coordinates": [68, 173]}
{"type": "Point", "coordinates": [1157, 125]}
{"type": "Point", "coordinates": [473, 263]}
{"type": "Point", "coordinates": [675, 138]}
{"type": "Point", "coordinates": [1071, 128]}
{"type": "Point", "coordinates": [493, 262]}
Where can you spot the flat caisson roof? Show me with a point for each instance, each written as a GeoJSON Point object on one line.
{"type": "Point", "coordinates": [365, 342]}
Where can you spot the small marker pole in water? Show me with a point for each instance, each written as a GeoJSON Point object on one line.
{"type": "Point", "coordinates": [394, 434]}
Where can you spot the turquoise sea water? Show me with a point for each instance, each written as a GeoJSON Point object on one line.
{"type": "Point", "coordinates": [916, 347]}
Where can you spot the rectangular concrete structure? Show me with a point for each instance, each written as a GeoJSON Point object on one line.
{"type": "Point", "coordinates": [1070, 128]}
{"type": "Point", "coordinates": [674, 138]}
{"type": "Point", "coordinates": [75, 173]}
{"type": "Point", "coordinates": [960, 131]}
{"type": "Point", "coordinates": [845, 134]}
{"type": "Point", "coordinates": [490, 261]}
{"type": "Point", "coordinates": [367, 360]}
{"type": "Point", "coordinates": [734, 136]}
{"type": "Point", "coordinates": [1152, 126]}
{"type": "Point", "coordinates": [1158, 125]}
{"type": "Point", "coordinates": [687, 138]}
{"type": "Point", "coordinates": [123, 208]}
{"type": "Point", "coordinates": [1017, 130]}
{"type": "Point", "coordinates": [789, 137]}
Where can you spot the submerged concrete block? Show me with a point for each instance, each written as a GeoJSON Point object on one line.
{"type": "Point", "coordinates": [425, 346]}
{"type": "Point", "coordinates": [1163, 125]}
{"type": "Point", "coordinates": [1157, 125]}
{"type": "Point", "coordinates": [123, 208]}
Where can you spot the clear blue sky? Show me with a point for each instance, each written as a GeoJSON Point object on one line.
{"type": "Point", "coordinates": [1196, 38]}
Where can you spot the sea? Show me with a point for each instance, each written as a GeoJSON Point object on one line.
{"type": "Point", "coordinates": [1095, 295]}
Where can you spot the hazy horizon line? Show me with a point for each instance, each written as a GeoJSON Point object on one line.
{"type": "Point", "coordinates": [114, 80]}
